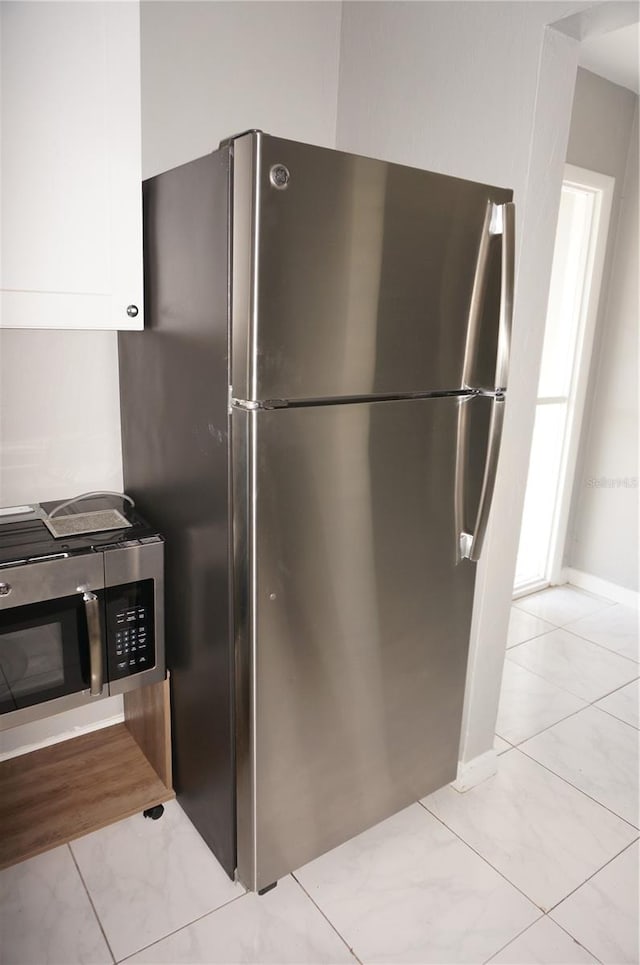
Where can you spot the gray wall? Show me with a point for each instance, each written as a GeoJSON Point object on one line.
{"type": "Point", "coordinates": [603, 523]}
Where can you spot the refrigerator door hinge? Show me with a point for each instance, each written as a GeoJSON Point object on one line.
{"type": "Point", "coordinates": [466, 539]}
{"type": "Point", "coordinates": [496, 224]}
{"type": "Point", "coordinates": [244, 404]}
{"type": "Point", "coordinates": [228, 141]}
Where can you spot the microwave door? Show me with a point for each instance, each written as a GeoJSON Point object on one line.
{"type": "Point", "coordinates": [52, 651]}
{"type": "Point", "coordinates": [46, 652]}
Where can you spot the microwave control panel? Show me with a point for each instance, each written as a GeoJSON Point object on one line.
{"type": "Point", "coordinates": [130, 628]}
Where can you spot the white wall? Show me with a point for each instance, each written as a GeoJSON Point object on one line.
{"type": "Point", "coordinates": [59, 415]}
{"type": "Point", "coordinates": [209, 70]}
{"type": "Point", "coordinates": [603, 527]}
{"type": "Point", "coordinates": [478, 90]}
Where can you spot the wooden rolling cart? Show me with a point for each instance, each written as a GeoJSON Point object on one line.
{"type": "Point", "coordinates": [53, 795]}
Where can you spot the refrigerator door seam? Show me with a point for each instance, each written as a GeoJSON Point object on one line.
{"type": "Point", "coordinates": [255, 273]}
{"type": "Point", "coordinates": [253, 654]}
{"type": "Point", "coordinates": [268, 404]}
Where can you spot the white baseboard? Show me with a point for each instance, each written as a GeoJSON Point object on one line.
{"type": "Point", "coordinates": [593, 584]}
{"type": "Point", "coordinates": [64, 735]}
{"type": "Point", "coordinates": [476, 771]}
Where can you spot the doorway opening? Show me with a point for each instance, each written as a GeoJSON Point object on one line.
{"type": "Point", "coordinates": [578, 259]}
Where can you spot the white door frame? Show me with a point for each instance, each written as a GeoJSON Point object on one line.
{"type": "Point", "coordinates": [602, 186]}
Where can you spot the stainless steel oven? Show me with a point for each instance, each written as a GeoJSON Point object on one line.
{"type": "Point", "coordinates": [79, 624]}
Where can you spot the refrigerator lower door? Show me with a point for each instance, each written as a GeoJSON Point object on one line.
{"type": "Point", "coordinates": [353, 614]}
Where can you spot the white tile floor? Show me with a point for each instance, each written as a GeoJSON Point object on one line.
{"type": "Point", "coordinates": [537, 865]}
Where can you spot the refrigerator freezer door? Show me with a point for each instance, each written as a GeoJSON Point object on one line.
{"type": "Point", "coordinates": [355, 277]}
{"type": "Point", "coordinates": [353, 618]}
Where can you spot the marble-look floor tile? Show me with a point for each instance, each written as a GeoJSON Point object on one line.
{"type": "Point", "coordinates": [148, 878]}
{"type": "Point", "coordinates": [524, 626]}
{"type": "Point", "coordinates": [278, 928]}
{"type": "Point", "coordinates": [528, 703]}
{"type": "Point", "coordinates": [624, 704]}
{"type": "Point", "coordinates": [561, 604]}
{"type": "Point", "coordinates": [46, 917]}
{"type": "Point", "coordinates": [544, 943]}
{"type": "Point", "coordinates": [615, 628]}
{"type": "Point", "coordinates": [603, 914]}
{"type": "Point", "coordinates": [538, 831]}
{"type": "Point", "coordinates": [597, 754]}
{"type": "Point", "coordinates": [574, 664]}
{"type": "Point", "coordinates": [500, 745]}
{"type": "Point", "coordinates": [408, 890]}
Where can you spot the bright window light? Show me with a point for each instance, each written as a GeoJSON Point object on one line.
{"type": "Point", "coordinates": [563, 335]}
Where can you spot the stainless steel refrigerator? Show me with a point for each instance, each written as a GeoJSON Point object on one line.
{"type": "Point", "coordinates": [312, 417]}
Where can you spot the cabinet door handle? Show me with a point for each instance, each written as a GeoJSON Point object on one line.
{"type": "Point", "coordinates": [92, 613]}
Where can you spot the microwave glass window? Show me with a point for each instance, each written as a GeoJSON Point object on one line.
{"type": "Point", "coordinates": [7, 702]}
{"type": "Point", "coordinates": [32, 659]}
{"type": "Point", "coordinates": [44, 652]}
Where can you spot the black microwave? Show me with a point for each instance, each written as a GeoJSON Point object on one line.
{"type": "Point", "coordinates": [79, 624]}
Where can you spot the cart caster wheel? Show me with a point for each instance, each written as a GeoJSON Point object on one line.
{"type": "Point", "coordinates": [155, 812]}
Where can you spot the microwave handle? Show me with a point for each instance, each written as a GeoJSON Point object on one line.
{"type": "Point", "coordinates": [92, 613]}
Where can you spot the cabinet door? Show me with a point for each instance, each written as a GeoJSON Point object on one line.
{"type": "Point", "coordinates": [70, 176]}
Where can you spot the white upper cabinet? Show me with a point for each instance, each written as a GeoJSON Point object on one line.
{"type": "Point", "coordinates": [70, 177]}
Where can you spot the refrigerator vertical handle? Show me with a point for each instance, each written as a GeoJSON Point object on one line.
{"type": "Point", "coordinates": [477, 300]}
{"type": "Point", "coordinates": [499, 219]}
{"type": "Point", "coordinates": [504, 224]}
{"type": "Point", "coordinates": [471, 543]}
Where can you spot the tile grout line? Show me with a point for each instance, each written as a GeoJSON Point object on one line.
{"type": "Point", "coordinates": [536, 636]}
{"type": "Point", "coordinates": [327, 919]}
{"type": "Point", "coordinates": [602, 646]}
{"type": "Point", "coordinates": [564, 689]}
{"type": "Point", "coordinates": [568, 585]}
{"type": "Point", "coordinates": [584, 616]}
{"type": "Point", "coordinates": [536, 922]}
{"type": "Point", "coordinates": [543, 913]}
{"type": "Point", "coordinates": [592, 643]}
{"type": "Point", "coordinates": [487, 862]}
{"type": "Point", "coordinates": [508, 880]}
{"type": "Point", "coordinates": [573, 713]}
{"type": "Point", "coordinates": [609, 604]}
{"type": "Point", "coordinates": [558, 903]}
{"type": "Point", "coordinates": [515, 938]}
{"type": "Point", "coordinates": [544, 729]}
{"type": "Point", "coordinates": [591, 703]}
{"type": "Point", "coordinates": [615, 691]}
{"type": "Point", "coordinates": [93, 907]}
{"type": "Point", "coordinates": [608, 712]}
{"type": "Point", "coordinates": [573, 938]}
{"type": "Point", "coordinates": [576, 788]}
{"type": "Point", "coordinates": [181, 928]}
